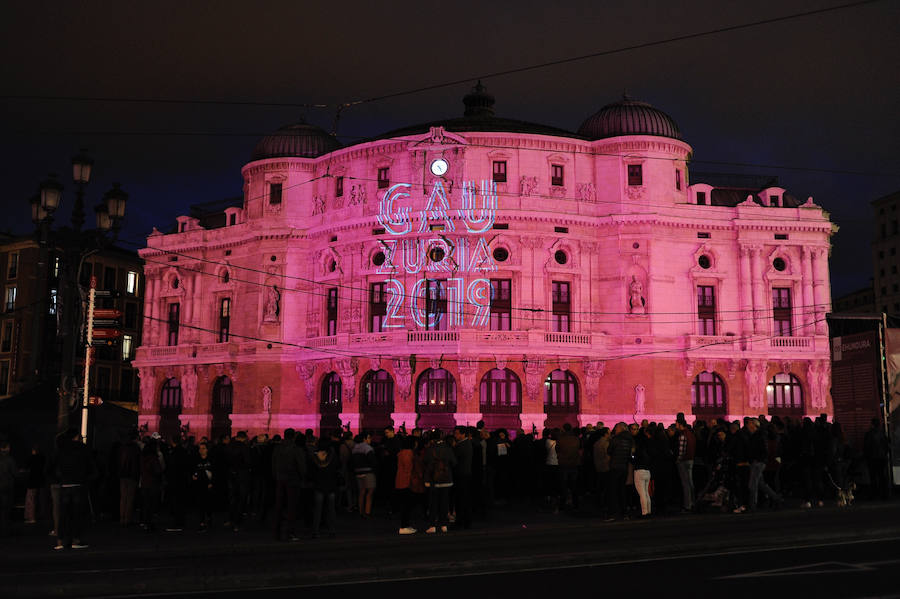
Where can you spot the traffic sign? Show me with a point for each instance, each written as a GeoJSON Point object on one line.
{"type": "Point", "coordinates": [107, 293]}
{"type": "Point", "coordinates": [106, 313]}
{"type": "Point", "coordinates": [107, 322]}
{"type": "Point", "coordinates": [93, 400]}
{"type": "Point", "coordinates": [107, 333]}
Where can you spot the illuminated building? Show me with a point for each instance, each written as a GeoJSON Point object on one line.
{"type": "Point", "coordinates": [481, 268]}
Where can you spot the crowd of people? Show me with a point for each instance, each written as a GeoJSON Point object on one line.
{"type": "Point", "coordinates": [296, 483]}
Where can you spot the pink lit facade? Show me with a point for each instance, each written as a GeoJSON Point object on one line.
{"type": "Point", "coordinates": [603, 285]}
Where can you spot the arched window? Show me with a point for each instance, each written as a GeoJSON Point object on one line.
{"type": "Point", "coordinates": [784, 394]}
{"type": "Point", "coordinates": [436, 391]}
{"type": "Point", "coordinates": [708, 394]}
{"type": "Point", "coordinates": [377, 392]}
{"type": "Point", "coordinates": [331, 393]}
{"type": "Point", "coordinates": [561, 392]}
{"type": "Point", "coordinates": [170, 397]}
{"type": "Point", "coordinates": [500, 391]}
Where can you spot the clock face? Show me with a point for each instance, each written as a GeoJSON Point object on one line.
{"type": "Point", "coordinates": [439, 167]}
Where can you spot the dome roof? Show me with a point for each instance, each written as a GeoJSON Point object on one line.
{"type": "Point", "coordinates": [299, 140]}
{"type": "Point", "coordinates": [629, 117]}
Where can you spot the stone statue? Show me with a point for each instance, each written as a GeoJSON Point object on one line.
{"type": "Point", "coordinates": [528, 185]}
{"type": "Point", "coordinates": [639, 399]}
{"type": "Point", "coordinates": [636, 300]}
{"type": "Point", "coordinates": [189, 387]}
{"type": "Point", "coordinates": [147, 387]}
{"type": "Point", "coordinates": [272, 298]}
{"type": "Point", "coordinates": [267, 399]}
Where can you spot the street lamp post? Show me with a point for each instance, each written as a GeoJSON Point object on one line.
{"type": "Point", "coordinates": [75, 245]}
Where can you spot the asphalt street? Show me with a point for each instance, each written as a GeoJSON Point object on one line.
{"type": "Point", "coordinates": [838, 552]}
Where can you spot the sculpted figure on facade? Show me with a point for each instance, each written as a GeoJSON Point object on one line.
{"type": "Point", "coordinates": [357, 194]}
{"type": "Point", "coordinates": [267, 399]}
{"type": "Point", "coordinates": [271, 309]}
{"type": "Point", "coordinates": [586, 192]}
{"type": "Point", "coordinates": [819, 376]}
{"type": "Point", "coordinates": [306, 371]}
{"type": "Point", "coordinates": [148, 384]}
{"type": "Point", "coordinates": [467, 369]}
{"type": "Point", "coordinates": [402, 376]}
{"type": "Point", "coordinates": [534, 375]}
{"type": "Point", "coordinates": [189, 387]}
{"type": "Point", "coordinates": [318, 205]}
{"type": "Point", "coordinates": [636, 300]}
{"type": "Point", "coordinates": [755, 378]}
{"type": "Point", "coordinates": [528, 185]}
{"type": "Point", "coordinates": [639, 399]}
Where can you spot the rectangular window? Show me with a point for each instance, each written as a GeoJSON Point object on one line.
{"type": "Point", "coordinates": [701, 198]}
{"type": "Point", "coordinates": [54, 273]}
{"type": "Point", "coordinates": [54, 298]}
{"type": "Point", "coordinates": [384, 177]}
{"type": "Point", "coordinates": [109, 279]}
{"type": "Point", "coordinates": [338, 187]}
{"type": "Point", "coordinates": [13, 268]}
{"type": "Point", "coordinates": [499, 171]}
{"type": "Point", "coordinates": [781, 309]}
{"type": "Point", "coordinates": [130, 315]}
{"type": "Point", "coordinates": [635, 174]}
{"type": "Point", "coordinates": [274, 193]}
{"type": "Point", "coordinates": [127, 346]}
{"type": "Point", "coordinates": [703, 235]}
{"type": "Point", "coordinates": [10, 298]}
{"type": "Point", "coordinates": [232, 219]}
{"type": "Point", "coordinates": [436, 305]}
{"type": "Point", "coordinates": [377, 307]}
{"type": "Point", "coordinates": [6, 341]}
{"type": "Point", "coordinates": [678, 179]}
{"type": "Point", "coordinates": [706, 309]}
{"type": "Point", "coordinates": [501, 304]}
{"type": "Point", "coordinates": [4, 377]}
{"type": "Point", "coordinates": [773, 201]}
{"type": "Point", "coordinates": [224, 319]}
{"type": "Point", "coordinates": [174, 319]}
{"type": "Point", "coordinates": [562, 307]}
{"type": "Point", "coordinates": [556, 175]}
{"type": "Point", "coordinates": [131, 282]}
{"type": "Point", "coordinates": [332, 312]}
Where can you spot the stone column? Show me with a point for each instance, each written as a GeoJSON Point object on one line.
{"type": "Point", "coordinates": [404, 403]}
{"type": "Point", "coordinates": [153, 332]}
{"type": "Point", "coordinates": [532, 401]}
{"type": "Point", "coordinates": [808, 311]}
{"type": "Point", "coordinates": [187, 320]}
{"type": "Point", "coordinates": [746, 290]}
{"type": "Point", "coordinates": [821, 288]}
{"type": "Point", "coordinates": [196, 301]}
{"type": "Point", "coordinates": [759, 299]}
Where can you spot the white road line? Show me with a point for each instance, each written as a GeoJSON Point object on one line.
{"type": "Point", "coordinates": [604, 564]}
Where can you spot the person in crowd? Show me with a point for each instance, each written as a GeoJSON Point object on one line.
{"type": "Point", "coordinates": [601, 467]}
{"type": "Point", "coordinates": [202, 486]}
{"type": "Point", "coordinates": [345, 451]}
{"type": "Point", "coordinates": [128, 464]}
{"type": "Point", "coordinates": [239, 464]}
{"type": "Point", "coordinates": [75, 470]}
{"type": "Point", "coordinates": [620, 450]}
{"type": "Point", "coordinates": [643, 459]}
{"type": "Point", "coordinates": [289, 469]}
{"type": "Point", "coordinates": [7, 487]}
{"type": "Point", "coordinates": [758, 455]}
{"type": "Point", "coordinates": [568, 457]}
{"type": "Point", "coordinates": [364, 465]}
{"type": "Point", "coordinates": [408, 483]}
{"type": "Point", "coordinates": [152, 466]}
{"type": "Point", "coordinates": [499, 463]}
{"type": "Point", "coordinates": [462, 477]}
{"type": "Point", "coordinates": [551, 469]}
{"type": "Point", "coordinates": [439, 464]}
{"type": "Point", "coordinates": [686, 446]}
{"type": "Point", "coordinates": [875, 450]}
{"type": "Point", "coordinates": [386, 458]}
{"type": "Point", "coordinates": [35, 465]}
{"type": "Point", "coordinates": [177, 477]}
{"type": "Point", "coordinates": [662, 470]}
{"type": "Point", "coordinates": [325, 471]}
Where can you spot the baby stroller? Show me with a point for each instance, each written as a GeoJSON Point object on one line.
{"type": "Point", "coordinates": [719, 491]}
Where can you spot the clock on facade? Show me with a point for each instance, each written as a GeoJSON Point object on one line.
{"type": "Point", "coordinates": [439, 167]}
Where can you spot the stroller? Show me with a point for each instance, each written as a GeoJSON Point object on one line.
{"type": "Point", "coordinates": [719, 491]}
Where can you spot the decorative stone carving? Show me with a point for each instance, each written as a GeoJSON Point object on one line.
{"type": "Point", "coordinates": [318, 205]}
{"type": "Point", "coordinates": [402, 376]}
{"type": "Point", "coordinates": [338, 202]}
{"type": "Point", "coordinates": [634, 192]}
{"type": "Point", "coordinates": [468, 367]}
{"type": "Point", "coordinates": [689, 366]}
{"type": "Point", "coordinates": [595, 368]}
{"type": "Point", "coordinates": [534, 375]}
{"type": "Point", "coordinates": [563, 363]}
{"type": "Point", "coordinates": [346, 368]}
{"type": "Point", "coordinates": [819, 377]}
{"type": "Point", "coordinates": [639, 399]}
{"type": "Point", "coordinates": [636, 300]}
{"type": "Point", "coordinates": [148, 386]}
{"type": "Point", "coordinates": [273, 296]}
{"type": "Point", "coordinates": [375, 362]}
{"type": "Point", "coordinates": [306, 371]}
{"type": "Point", "coordinates": [733, 366]}
{"type": "Point", "coordinates": [358, 194]}
{"type": "Point", "coordinates": [267, 399]}
{"type": "Point", "coordinates": [189, 387]}
{"type": "Point", "coordinates": [786, 367]}
{"type": "Point", "coordinates": [501, 361]}
{"type": "Point", "coordinates": [586, 192]}
{"type": "Point", "coordinates": [528, 185]}
{"type": "Point", "coordinates": [437, 135]}
{"type": "Point", "coordinates": [755, 377]}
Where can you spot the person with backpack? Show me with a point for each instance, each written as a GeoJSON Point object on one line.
{"type": "Point", "coordinates": [439, 464]}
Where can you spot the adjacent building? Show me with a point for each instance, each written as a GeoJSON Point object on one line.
{"type": "Point", "coordinates": [483, 268]}
{"type": "Point", "coordinates": [885, 261]}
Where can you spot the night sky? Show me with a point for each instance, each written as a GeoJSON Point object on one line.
{"type": "Point", "coordinates": [819, 92]}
